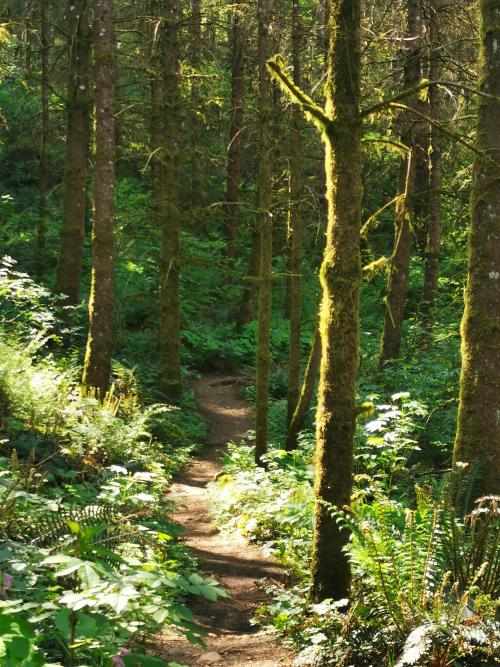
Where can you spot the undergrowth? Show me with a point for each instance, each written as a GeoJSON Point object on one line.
{"type": "Point", "coordinates": [91, 567]}
{"type": "Point", "coordinates": [425, 565]}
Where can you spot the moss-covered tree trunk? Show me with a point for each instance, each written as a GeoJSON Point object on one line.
{"type": "Point", "coordinates": [263, 366]}
{"type": "Point", "coordinates": [295, 222]}
{"type": "Point", "coordinates": [306, 395]}
{"type": "Point", "coordinates": [478, 428]}
{"type": "Point", "coordinates": [194, 119]}
{"type": "Point", "coordinates": [236, 127]}
{"type": "Point", "coordinates": [69, 266]}
{"type": "Point", "coordinates": [170, 316]}
{"type": "Point", "coordinates": [339, 320]}
{"type": "Point", "coordinates": [97, 366]}
{"type": "Point", "coordinates": [433, 241]}
{"type": "Point", "coordinates": [44, 139]}
{"type": "Point", "coordinates": [397, 287]}
{"type": "Point", "coordinates": [341, 128]}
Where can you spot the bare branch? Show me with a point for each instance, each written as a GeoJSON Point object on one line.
{"type": "Point", "coordinates": [404, 94]}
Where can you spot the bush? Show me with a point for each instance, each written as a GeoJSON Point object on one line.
{"type": "Point", "coordinates": [425, 580]}
{"type": "Point", "coordinates": [90, 565]}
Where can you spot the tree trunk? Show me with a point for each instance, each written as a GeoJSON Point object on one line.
{"type": "Point", "coordinates": [250, 289]}
{"type": "Point", "coordinates": [421, 191]}
{"type": "Point", "coordinates": [196, 193]}
{"type": "Point", "coordinates": [69, 267]}
{"type": "Point", "coordinates": [156, 97]}
{"type": "Point", "coordinates": [433, 241]}
{"type": "Point", "coordinates": [295, 223]}
{"type": "Point", "coordinates": [236, 128]}
{"type": "Point", "coordinates": [478, 429]}
{"type": "Point", "coordinates": [306, 394]}
{"type": "Point", "coordinates": [266, 233]}
{"type": "Point", "coordinates": [170, 316]}
{"type": "Point", "coordinates": [400, 262]}
{"type": "Point", "coordinates": [44, 145]}
{"type": "Point", "coordinates": [101, 302]}
{"type": "Point", "coordinates": [339, 322]}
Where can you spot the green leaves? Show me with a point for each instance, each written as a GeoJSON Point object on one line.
{"type": "Point", "coordinates": [17, 643]}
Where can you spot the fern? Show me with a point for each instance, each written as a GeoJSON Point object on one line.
{"type": "Point", "coordinates": [421, 569]}
{"type": "Point", "coordinates": [397, 555]}
{"type": "Point", "coordinates": [471, 546]}
{"type": "Point", "coordinates": [462, 486]}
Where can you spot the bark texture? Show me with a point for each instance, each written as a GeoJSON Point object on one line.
{"type": "Point", "coordinates": [69, 266]}
{"type": "Point", "coordinates": [295, 223]}
{"type": "Point", "coordinates": [170, 315]}
{"type": "Point", "coordinates": [99, 351]}
{"type": "Point", "coordinates": [266, 232]}
{"type": "Point", "coordinates": [478, 429]}
{"type": "Point", "coordinates": [156, 92]}
{"type": "Point", "coordinates": [397, 287]}
{"type": "Point", "coordinates": [236, 127]}
{"type": "Point", "coordinates": [339, 319]}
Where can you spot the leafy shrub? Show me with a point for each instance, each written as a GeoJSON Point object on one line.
{"type": "Point", "coordinates": [424, 579]}
{"type": "Point", "coordinates": [90, 567]}
{"type": "Point", "coordinates": [26, 308]}
{"type": "Point", "coordinates": [93, 578]}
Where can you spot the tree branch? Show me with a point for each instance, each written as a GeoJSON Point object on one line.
{"type": "Point", "coordinates": [388, 101]}
{"type": "Point", "coordinates": [444, 130]}
{"type": "Point", "coordinates": [312, 111]}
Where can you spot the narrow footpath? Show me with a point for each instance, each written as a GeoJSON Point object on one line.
{"type": "Point", "coordinates": [237, 566]}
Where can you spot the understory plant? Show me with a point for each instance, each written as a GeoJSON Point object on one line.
{"type": "Point", "coordinates": [83, 581]}
{"type": "Point", "coordinates": [91, 567]}
{"type": "Point", "coordinates": [425, 564]}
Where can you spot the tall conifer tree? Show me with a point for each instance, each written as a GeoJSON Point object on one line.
{"type": "Point", "coordinates": [478, 431]}
{"type": "Point", "coordinates": [169, 214]}
{"type": "Point", "coordinates": [102, 298]}
{"type": "Point", "coordinates": [266, 232]}
{"type": "Point", "coordinates": [78, 112]}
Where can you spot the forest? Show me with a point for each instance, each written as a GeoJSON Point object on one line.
{"type": "Point", "coordinates": [249, 333]}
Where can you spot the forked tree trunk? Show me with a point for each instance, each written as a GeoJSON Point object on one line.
{"type": "Point", "coordinates": [478, 429]}
{"type": "Point", "coordinates": [266, 233]}
{"type": "Point", "coordinates": [295, 223]}
{"type": "Point", "coordinates": [341, 127]}
{"type": "Point", "coordinates": [170, 315]}
{"type": "Point", "coordinates": [69, 266]}
{"type": "Point", "coordinates": [236, 128]}
{"type": "Point", "coordinates": [44, 145]}
{"type": "Point", "coordinates": [397, 287]}
{"type": "Point", "coordinates": [433, 241]}
{"type": "Point", "coordinates": [101, 302]}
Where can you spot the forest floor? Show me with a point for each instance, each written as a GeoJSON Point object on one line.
{"type": "Point", "coordinates": [238, 567]}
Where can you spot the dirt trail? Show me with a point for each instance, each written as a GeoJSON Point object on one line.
{"type": "Point", "coordinates": [232, 641]}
